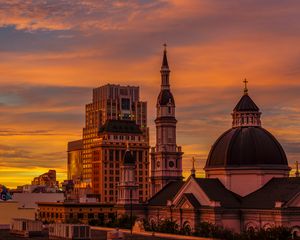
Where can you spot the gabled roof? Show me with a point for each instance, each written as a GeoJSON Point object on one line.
{"type": "Point", "coordinates": [192, 199]}
{"type": "Point", "coordinates": [276, 190]}
{"type": "Point", "coordinates": [120, 126]}
{"type": "Point", "coordinates": [216, 191]}
{"type": "Point", "coordinates": [166, 193]}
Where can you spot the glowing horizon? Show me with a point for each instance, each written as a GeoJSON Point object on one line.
{"type": "Point", "coordinates": [53, 54]}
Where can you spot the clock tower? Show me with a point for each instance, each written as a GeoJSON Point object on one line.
{"type": "Point", "coordinates": [166, 156]}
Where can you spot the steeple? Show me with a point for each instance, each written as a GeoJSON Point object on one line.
{"type": "Point", "coordinates": [166, 156]}
{"type": "Point", "coordinates": [246, 113]}
{"type": "Point", "coordinates": [165, 71]}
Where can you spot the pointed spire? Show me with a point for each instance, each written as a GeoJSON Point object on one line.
{"type": "Point", "coordinates": [193, 170]}
{"type": "Point", "coordinates": [297, 169]}
{"type": "Point", "coordinates": [165, 71]}
{"type": "Point", "coordinates": [245, 88]}
{"type": "Point", "coordinates": [165, 59]}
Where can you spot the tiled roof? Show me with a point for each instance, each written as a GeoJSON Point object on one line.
{"type": "Point", "coordinates": [192, 199]}
{"type": "Point", "coordinates": [277, 189]}
{"type": "Point", "coordinates": [216, 191]}
{"type": "Point", "coordinates": [167, 193]}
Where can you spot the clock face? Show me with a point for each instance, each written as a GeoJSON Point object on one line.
{"type": "Point", "coordinates": [171, 164]}
{"type": "Point", "coordinates": [158, 164]}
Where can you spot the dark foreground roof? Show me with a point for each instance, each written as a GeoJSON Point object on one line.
{"type": "Point", "coordinates": [246, 104]}
{"type": "Point", "coordinates": [120, 126]}
{"type": "Point", "coordinates": [216, 191]}
{"type": "Point", "coordinates": [167, 193]}
{"type": "Point", "coordinates": [277, 189]}
{"type": "Point", "coordinates": [246, 146]}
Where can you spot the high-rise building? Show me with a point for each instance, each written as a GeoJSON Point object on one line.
{"type": "Point", "coordinates": [111, 102]}
{"type": "Point", "coordinates": [108, 152]}
{"type": "Point", "coordinates": [75, 170]}
{"type": "Point", "coordinates": [166, 157]}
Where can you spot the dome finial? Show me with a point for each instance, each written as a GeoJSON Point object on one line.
{"type": "Point", "coordinates": [193, 171]}
{"type": "Point", "coordinates": [297, 169]}
{"type": "Point", "coordinates": [245, 88]}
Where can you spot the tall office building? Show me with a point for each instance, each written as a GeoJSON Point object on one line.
{"type": "Point", "coordinates": [111, 102]}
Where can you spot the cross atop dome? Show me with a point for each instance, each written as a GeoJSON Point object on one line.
{"type": "Point", "coordinates": [245, 88]}
{"type": "Point", "coordinates": [246, 113]}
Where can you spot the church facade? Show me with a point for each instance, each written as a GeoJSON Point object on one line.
{"type": "Point", "coordinates": [247, 183]}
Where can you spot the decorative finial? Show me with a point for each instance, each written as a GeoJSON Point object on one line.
{"type": "Point", "coordinates": [297, 169]}
{"type": "Point", "coordinates": [165, 47]}
{"type": "Point", "coordinates": [246, 88]}
{"type": "Point", "coordinates": [193, 171]}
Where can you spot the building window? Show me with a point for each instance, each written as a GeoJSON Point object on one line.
{"type": "Point", "coordinates": [90, 215]}
{"type": "Point", "coordinates": [80, 215]}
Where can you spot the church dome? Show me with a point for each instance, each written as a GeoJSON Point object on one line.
{"type": "Point", "coordinates": [246, 144]}
{"type": "Point", "coordinates": [165, 97]}
{"type": "Point", "coordinates": [246, 147]}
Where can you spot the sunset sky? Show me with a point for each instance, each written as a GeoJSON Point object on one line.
{"type": "Point", "coordinates": [53, 52]}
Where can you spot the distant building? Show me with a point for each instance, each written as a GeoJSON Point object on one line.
{"type": "Point", "coordinates": [108, 151]}
{"type": "Point", "coordinates": [64, 212]}
{"type": "Point", "coordinates": [111, 102]}
{"type": "Point", "coordinates": [75, 165]}
{"type": "Point", "coordinates": [46, 179]}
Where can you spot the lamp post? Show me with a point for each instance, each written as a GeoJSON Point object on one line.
{"type": "Point", "coordinates": [131, 212]}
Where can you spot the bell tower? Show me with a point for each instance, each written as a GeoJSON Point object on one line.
{"type": "Point", "coordinates": [166, 156]}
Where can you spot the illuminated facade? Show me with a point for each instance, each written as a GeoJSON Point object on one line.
{"type": "Point", "coordinates": [75, 168]}
{"type": "Point", "coordinates": [111, 102]}
{"type": "Point", "coordinates": [108, 152]}
{"type": "Point", "coordinates": [46, 179]}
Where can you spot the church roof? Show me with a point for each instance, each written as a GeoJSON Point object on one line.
{"type": "Point", "coordinates": [192, 199]}
{"type": "Point", "coordinates": [246, 104]}
{"type": "Point", "coordinates": [246, 146]}
{"type": "Point", "coordinates": [277, 189]}
{"type": "Point", "coordinates": [168, 192]}
{"type": "Point", "coordinates": [165, 96]}
{"type": "Point", "coordinates": [216, 191]}
{"type": "Point", "coordinates": [120, 126]}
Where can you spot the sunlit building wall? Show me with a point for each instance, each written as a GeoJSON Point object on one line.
{"type": "Point", "coordinates": [75, 167]}
{"type": "Point", "coordinates": [108, 154]}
